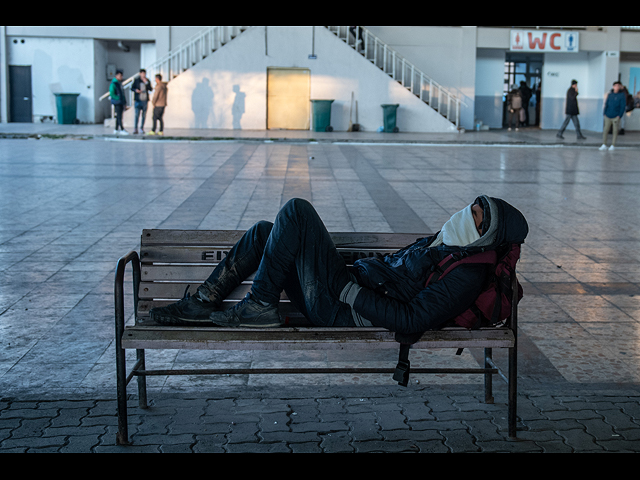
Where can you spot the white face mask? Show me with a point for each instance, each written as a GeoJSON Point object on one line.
{"type": "Point", "coordinates": [460, 229]}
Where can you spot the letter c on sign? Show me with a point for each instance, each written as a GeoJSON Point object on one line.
{"type": "Point", "coordinates": [552, 42]}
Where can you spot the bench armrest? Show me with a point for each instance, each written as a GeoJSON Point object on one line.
{"type": "Point", "coordinates": [133, 258]}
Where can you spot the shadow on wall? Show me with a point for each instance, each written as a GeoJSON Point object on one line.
{"type": "Point", "coordinates": [202, 103]}
{"type": "Point", "coordinates": [202, 100]}
{"type": "Point", "coordinates": [238, 107]}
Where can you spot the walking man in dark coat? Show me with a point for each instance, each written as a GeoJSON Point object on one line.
{"type": "Point", "coordinates": [572, 111]}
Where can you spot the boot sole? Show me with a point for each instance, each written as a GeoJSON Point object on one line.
{"type": "Point", "coordinates": [248, 325]}
{"type": "Point", "coordinates": [175, 321]}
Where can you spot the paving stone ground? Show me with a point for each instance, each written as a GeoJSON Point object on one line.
{"type": "Point", "coordinates": [73, 200]}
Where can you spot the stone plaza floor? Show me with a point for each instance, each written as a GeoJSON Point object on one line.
{"type": "Point", "coordinates": [74, 199]}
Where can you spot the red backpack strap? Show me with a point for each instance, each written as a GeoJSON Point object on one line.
{"type": "Point", "coordinates": [453, 260]}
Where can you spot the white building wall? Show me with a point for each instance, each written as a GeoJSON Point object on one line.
{"type": "Point", "coordinates": [229, 89]}
{"type": "Point", "coordinates": [58, 65]}
{"type": "Point", "coordinates": [557, 73]}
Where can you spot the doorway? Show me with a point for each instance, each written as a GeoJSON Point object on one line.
{"type": "Point", "coordinates": [519, 67]}
{"type": "Point", "coordinates": [288, 98]}
{"type": "Point", "coordinates": [20, 97]}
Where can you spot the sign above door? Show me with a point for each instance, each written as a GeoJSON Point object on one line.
{"type": "Point", "coordinates": [544, 41]}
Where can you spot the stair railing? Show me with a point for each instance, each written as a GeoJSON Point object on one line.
{"type": "Point", "coordinates": [401, 70]}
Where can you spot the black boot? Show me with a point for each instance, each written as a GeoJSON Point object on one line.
{"type": "Point", "coordinates": [248, 313]}
{"type": "Point", "coordinates": [192, 310]}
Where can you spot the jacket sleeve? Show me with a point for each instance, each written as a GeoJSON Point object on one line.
{"type": "Point", "coordinates": [623, 106]}
{"type": "Point", "coordinates": [429, 309]}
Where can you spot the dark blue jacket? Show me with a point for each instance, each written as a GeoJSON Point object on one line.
{"type": "Point", "coordinates": [394, 296]}
{"type": "Point", "coordinates": [615, 105]}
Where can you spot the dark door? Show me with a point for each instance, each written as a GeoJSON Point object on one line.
{"type": "Point", "coordinates": [20, 105]}
{"type": "Point", "coordinates": [518, 68]}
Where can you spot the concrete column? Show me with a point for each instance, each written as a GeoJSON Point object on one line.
{"type": "Point", "coordinates": [612, 56]}
{"type": "Point", "coordinates": [4, 69]}
{"type": "Point", "coordinates": [468, 44]}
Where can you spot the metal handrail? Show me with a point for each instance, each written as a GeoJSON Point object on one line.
{"type": "Point", "coordinates": [401, 70]}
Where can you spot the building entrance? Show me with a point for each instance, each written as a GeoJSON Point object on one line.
{"type": "Point", "coordinates": [527, 68]}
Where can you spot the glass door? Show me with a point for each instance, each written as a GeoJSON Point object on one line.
{"type": "Point", "coordinates": [519, 68]}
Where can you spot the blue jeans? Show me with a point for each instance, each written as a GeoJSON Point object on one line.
{"type": "Point", "coordinates": [294, 254]}
{"type": "Point", "coordinates": [140, 107]}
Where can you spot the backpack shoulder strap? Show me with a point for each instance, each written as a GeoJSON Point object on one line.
{"type": "Point", "coordinates": [453, 260]}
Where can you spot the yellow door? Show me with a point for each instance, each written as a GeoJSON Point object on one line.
{"type": "Point", "coordinates": [288, 98]}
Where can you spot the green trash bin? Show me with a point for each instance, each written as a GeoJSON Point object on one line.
{"type": "Point", "coordinates": [322, 115]}
{"type": "Point", "coordinates": [389, 117]}
{"type": "Point", "coordinates": [67, 107]}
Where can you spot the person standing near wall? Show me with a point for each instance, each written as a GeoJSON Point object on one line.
{"type": "Point", "coordinates": [514, 104]}
{"type": "Point", "coordinates": [571, 110]}
{"type": "Point", "coordinates": [614, 108]}
{"type": "Point", "coordinates": [141, 87]}
{"type": "Point", "coordinates": [525, 92]}
{"type": "Point", "coordinates": [538, 95]}
{"type": "Point", "coordinates": [119, 101]}
{"type": "Point", "coordinates": [159, 102]}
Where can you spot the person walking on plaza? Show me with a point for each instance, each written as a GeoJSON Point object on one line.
{"type": "Point", "coordinates": [571, 110]}
{"type": "Point", "coordinates": [614, 108]}
{"type": "Point", "coordinates": [159, 103]}
{"type": "Point", "coordinates": [141, 87]}
{"type": "Point", "coordinates": [119, 101]}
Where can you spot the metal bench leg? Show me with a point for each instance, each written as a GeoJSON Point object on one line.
{"type": "Point", "coordinates": [122, 436]}
{"type": "Point", "coordinates": [513, 361]}
{"type": "Point", "coordinates": [488, 377]}
{"type": "Point", "coordinates": [513, 391]}
{"type": "Point", "coordinates": [142, 380]}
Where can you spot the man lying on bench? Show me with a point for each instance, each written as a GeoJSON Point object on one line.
{"type": "Point", "coordinates": [296, 254]}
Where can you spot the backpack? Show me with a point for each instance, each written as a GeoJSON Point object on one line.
{"type": "Point", "coordinates": [492, 306]}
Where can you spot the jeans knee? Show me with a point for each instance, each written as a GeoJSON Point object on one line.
{"type": "Point", "coordinates": [261, 230]}
{"type": "Point", "coordinates": [297, 205]}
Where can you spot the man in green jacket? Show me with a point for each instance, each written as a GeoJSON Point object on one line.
{"type": "Point", "coordinates": [118, 100]}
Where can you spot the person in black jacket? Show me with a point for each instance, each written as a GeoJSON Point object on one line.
{"type": "Point", "coordinates": [141, 87]}
{"type": "Point", "coordinates": [296, 254]}
{"type": "Point", "coordinates": [571, 111]}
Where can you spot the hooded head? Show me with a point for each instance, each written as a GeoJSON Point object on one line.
{"type": "Point", "coordinates": [501, 223]}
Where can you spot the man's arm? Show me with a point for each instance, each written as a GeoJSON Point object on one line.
{"type": "Point", "coordinates": [432, 307]}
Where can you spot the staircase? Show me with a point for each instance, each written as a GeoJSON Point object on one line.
{"type": "Point", "coordinates": [401, 70]}
{"type": "Point", "coordinates": [184, 56]}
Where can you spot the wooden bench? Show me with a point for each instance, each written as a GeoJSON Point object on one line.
{"type": "Point", "coordinates": [171, 260]}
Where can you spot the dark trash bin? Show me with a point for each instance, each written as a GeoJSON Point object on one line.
{"type": "Point", "coordinates": [389, 117]}
{"type": "Point", "coordinates": [322, 115]}
{"type": "Point", "coordinates": [66, 104]}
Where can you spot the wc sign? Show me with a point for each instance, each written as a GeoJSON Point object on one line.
{"type": "Point", "coordinates": [544, 41]}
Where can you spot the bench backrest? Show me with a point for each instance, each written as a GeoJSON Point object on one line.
{"type": "Point", "coordinates": [172, 260]}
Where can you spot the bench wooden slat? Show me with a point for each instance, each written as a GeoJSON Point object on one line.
{"type": "Point", "coordinates": [212, 338]}
{"type": "Point", "coordinates": [213, 255]}
{"type": "Point", "coordinates": [230, 237]}
{"type": "Point", "coordinates": [285, 307]}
